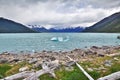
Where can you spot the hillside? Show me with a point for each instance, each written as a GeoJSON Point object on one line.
{"type": "Point", "coordinates": [109, 24]}
{"type": "Point", "coordinates": [9, 26]}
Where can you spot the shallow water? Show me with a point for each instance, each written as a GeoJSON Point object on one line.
{"type": "Point", "coordinates": [42, 41]}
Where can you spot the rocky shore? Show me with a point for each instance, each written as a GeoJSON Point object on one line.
{"type": "Point", "coordinates": [56, 59]}
{"type": "Point", "coordinates": [76, 54]}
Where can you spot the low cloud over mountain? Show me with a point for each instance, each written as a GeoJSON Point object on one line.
{"type": "Point", "coordinates": [58, 12]}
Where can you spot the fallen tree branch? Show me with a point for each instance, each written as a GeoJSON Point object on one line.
{"type": "Point", "coordinates": [36, 75]}
{"type": "Point", "coordinates": [19, 75]}
{"type": "Point", "coordinates": [113, 76]}
{"type": "Point", "coordinates": [114, 54]}
{"type": "Point", "coordinates": [85, 73]}
{"type": "Point", "coordinates": [47, 67]}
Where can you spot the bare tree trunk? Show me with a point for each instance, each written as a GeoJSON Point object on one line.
{"type": "Point", "coordinates": [80, 67]}
{"type": "Point", "coordinates": [113, 76]}
{"type": "Point", "coordinates": [36, 75]}
{"type": "Point", "coordinates": [19, 75]}
{"type": "Point", "coordinates": [113, 55]}
{"type": "Point", "coordinates": [85, 73]}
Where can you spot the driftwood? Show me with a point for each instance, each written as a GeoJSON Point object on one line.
{"type": "Point", "coordinates": [80, 67]}
{"type": "Point", "coordinates": [36, 75]}
{"type": "Point", "coordinates": [47, 67]}
{"type": "Point", "coordinates": [114, 54]}
{"type": "Point", "coordinates": [19, 75]}
{"type": "Point", "coordinates": [113, 76]}
{"type": "Point", "coordinates": [86, 74]}
{"type": "Point", "coordinates": [29, 75]}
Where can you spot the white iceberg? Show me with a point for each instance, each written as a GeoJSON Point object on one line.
{"type": "Point", "coordinates": [60, 39]}
{"type": "Point", "coordinates": [54, 39]}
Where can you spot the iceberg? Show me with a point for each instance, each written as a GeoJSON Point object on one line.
{"type": "Point", "coordinates": [54, 39]}
{"type": "Point", "coordinates": [59, 39]}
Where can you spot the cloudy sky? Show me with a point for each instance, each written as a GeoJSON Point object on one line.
{"type": "Point", "coordinates": [50, 13]}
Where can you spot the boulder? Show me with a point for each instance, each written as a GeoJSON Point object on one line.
{"type": "Point", "coordinates": [3, 60]}
{"type": "Point", "coordinates": [108, 63]}
{"type": "Point", "coordinates": [90, 69]}
{"type": "Point", "coordinates": [70, 63]}
{"type": "Point", "coordinates": [69, 68]}
{"type": "Point", "coordinates": [101, 55]}
{"type": "Point", "coordinates": [24, 69]}
{"type": "Point", "coordinates": [34, 60]}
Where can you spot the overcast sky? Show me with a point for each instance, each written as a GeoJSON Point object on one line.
{"type": "Point", "coordinates": [58, 12]}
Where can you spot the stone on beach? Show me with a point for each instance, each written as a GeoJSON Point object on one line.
{"type": "Point", "coordinates": [24, 69]}
{"type": "Point", "coordinates": [70, 63]}
{"type": "Point", "coordinates": [69, 68]}
{"type": "Point", "coordinates": [3, 60]}
{"type": "Point", "coordinates": [34, 60]}
{"type": "Point", "coordinates": [108, 63]}
{"type": "Point", "coordinates": [90, 69]}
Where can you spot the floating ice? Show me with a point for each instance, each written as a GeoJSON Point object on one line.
{"type": "Point", "coordinates": [60, 39]}
{"type": "Point", "coordinates": [54, 39]}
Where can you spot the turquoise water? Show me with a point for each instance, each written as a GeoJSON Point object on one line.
{"type": "Point", "coordinates": [42, 41]}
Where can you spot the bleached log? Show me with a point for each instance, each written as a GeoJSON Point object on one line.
{"type": "Point", "coordinates": [114, 54]}
{"type": "Point", "coordinates": [45, 70]}
{"type": "Point", "coordinates": [53, 74]}
{"type": "Point", "coordinates": [113, 76]}
{"type": "Point", "coordinates": [19, 75]}
{"type": "Point", "coordinates": [36, 75]}
{"type": "Point", "coordinates": [47, 67]}
{"type": "Point", "coordinates": [86, 74]}
{"type": "Point", "coordinates": [80, 67]}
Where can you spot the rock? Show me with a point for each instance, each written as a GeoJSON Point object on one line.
{"type": "Point", "coordinates": [90, 69]}
{"type": "Point", "coordinates": [24, 69]}
{"type": "Point", "coordinates": [95, 47]}
{"type": "Point", "coordinates": [50, 64]}
{"type": "Point", "coordinates": [6, 53]}
{"type": "Point", "coordinates": [52, 58]}
{"type": "Point", "coordinates": [118, 37]}
{"type": "Point", "coordinates": [69, 68]}
{"type": "Point", "coordinates": [88, 52]}
{"type": "Point", "coordinates": [3, 60]}
{"type": "Point", "coordinates": [101, 55]}
{"type": "Point", "coordinates": [34, 60]}
{"type": "Point", "coordinates": [116, 59]}
{"type": "Point", "coordinates": [70, 63]}
{"type": "Point", "coordinates": [108, 63]}
{"type": "Point", "coordinates": [101, 68]}
{"type": "Point", "coordinates": [36, 65]}
{"type": "Point", "coordinates": [14, 60]}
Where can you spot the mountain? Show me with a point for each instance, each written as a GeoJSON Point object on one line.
{"type": "Point", "coordinates": [9, 26]}
{"type": "Point", "coordinates": [109, 24]}
{"type": "Point", "coordinates": [76, 29]}
{"type": "Point", "coordinates": [42, 29]}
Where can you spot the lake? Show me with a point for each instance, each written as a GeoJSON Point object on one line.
{"type": "Point", "coordinates": [55, 41]}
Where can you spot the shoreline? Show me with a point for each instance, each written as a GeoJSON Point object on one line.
{"type": "Point", "coordinates": [76, 53]}
{"type": "Point", "coordinates": [99, 59]}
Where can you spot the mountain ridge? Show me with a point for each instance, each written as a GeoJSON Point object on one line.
{"type": "Point", "coordinates": [10, 26]}
{"type": "Point", "coordinates": [109, 24]}
{"type": "Point", "coordinates": [67, 29]}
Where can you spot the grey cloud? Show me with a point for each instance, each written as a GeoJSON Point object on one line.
{"type": "Point", "coordinates": [58, 12]}
{"type": "Point", "coordinates": [104, 3]}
